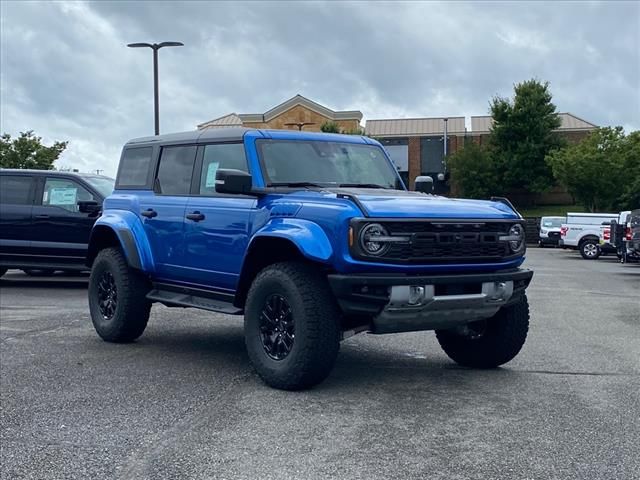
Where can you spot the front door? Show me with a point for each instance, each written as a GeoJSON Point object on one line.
{"type": "Point", "coordinates": [217, 226]}
{"type": "Point", "coordinates": [60, 230]}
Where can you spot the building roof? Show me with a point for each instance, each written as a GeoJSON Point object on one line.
{"type": "Point", "coordinates": [230, 120]}
{"type": "Point", "coordinates": [482, 123]}
{"type": "Point", "coordinates": [234, 119]}
{"type": "Point", "coordinates": [407, 127]}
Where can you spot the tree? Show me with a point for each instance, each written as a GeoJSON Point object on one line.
{"type": "Point", "coordinates": [523, 135]}
{"type": "Point", "coordinates": [333, 127]}
{"type": "Point", "coordinates": [475, 171]}
{"type": "Point", "coordinates": [630, 196]}
{"type": "Point", "coordinates": [598, 171]}
{"type": "Point", "coordinates": [330, 127]}
{"type": "Point", "coordinates": [27, 151]}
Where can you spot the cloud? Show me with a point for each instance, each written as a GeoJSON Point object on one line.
{"type": "Point", "coordinates": [66, 73]}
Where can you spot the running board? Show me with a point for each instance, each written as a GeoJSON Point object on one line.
{"type": "Point", "coordinates": [187, 300]}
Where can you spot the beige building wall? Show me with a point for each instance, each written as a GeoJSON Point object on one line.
{"type": "Point", "coordinates": [300, 114]}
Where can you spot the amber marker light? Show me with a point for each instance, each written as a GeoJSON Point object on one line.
{"type": "Point", "coordinates": [350, 236]}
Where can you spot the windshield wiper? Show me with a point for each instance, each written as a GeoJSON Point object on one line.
{"type": "Point", "coordinates": [362, 185]}
{"type": "Point", "coordinates": [295, 184]}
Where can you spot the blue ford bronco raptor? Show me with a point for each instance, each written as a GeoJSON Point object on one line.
{"type": "Point", "coordinates": [313, 238]}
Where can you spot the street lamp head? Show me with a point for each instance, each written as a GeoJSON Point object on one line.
{"type": "Point", "coordinates": [139, 45]}
{"type": "Point", "coordinates": [170, 44]}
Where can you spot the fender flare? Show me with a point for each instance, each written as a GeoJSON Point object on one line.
{"type": "Point", "coordinates": [128, 229]}
{"type": "Point", "coordinates": [307, 236]}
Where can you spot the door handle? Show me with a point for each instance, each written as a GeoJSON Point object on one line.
{"type": "Point", "coordinates": [150, 213]}
{"type": "Point", "coordinates": [195, 216]}
{"type": "Point", "coordinates": [42, 216]}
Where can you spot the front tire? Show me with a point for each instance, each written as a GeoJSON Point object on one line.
{"type": "Point", "coordinates": [291, 325]}
{"type": "Point", "coordinates": [590, 250]}
{"type": "Point", "coordinates": [488, 343]}
{"type": "Point", "coordinates": [117, 298]}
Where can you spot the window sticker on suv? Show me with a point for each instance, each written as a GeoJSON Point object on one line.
{"type": "Point", "coordinates": [63, 196]}
{"type": "Point", "coordinates": [212, 168]}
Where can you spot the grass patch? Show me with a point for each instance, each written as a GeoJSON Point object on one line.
{"type": "Point", "coordinates": [549, 210]}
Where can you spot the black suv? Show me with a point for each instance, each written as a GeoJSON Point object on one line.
{"type": "Point", "coordinates": [46, 218]}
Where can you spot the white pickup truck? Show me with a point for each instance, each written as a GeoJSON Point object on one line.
{"type": "Point", "coordinates": [582, 232]}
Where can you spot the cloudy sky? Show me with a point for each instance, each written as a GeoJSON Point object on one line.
{"type": "Point", "coordinates": [67, 75]}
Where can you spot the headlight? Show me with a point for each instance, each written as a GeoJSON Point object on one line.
{"type": "Point", "coordinates": [543, 231]}
{"type": "Point", "coordinates": [368, 241]}
{"type": "Point", "coordinates": [517, 240]}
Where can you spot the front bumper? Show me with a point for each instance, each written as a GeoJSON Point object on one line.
{"type": "Point", "coordinates": [403, 303]}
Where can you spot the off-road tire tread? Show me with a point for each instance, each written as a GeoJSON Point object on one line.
{"type": "Point", "coordinates": [507, 332]}
{"type": "Point", "coordinates": [320, 346]}
{"type": "Point", "coordinates": [132, 312]}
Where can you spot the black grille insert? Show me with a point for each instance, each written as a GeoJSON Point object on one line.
{"type": "Point", "coordinates": [445, 242]}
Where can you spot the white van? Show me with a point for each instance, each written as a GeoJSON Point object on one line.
{"type": "Point", "coordinates": [582, 232]}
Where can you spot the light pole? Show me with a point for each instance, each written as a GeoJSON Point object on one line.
{"type": "Point", "coordinates": [155, 47]}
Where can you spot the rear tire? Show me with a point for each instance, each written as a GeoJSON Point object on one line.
{"type": "Point", "coordinates": [117, 298]}
{"type": "Point", "coordinates": [489, 343]}
{"type": "Point", "coordinates": [589, 249]}
{"type": "Point", "coordinates": [291, 325]}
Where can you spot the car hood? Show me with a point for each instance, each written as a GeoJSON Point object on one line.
{"type": "Point", "coordinates": [398, 204]}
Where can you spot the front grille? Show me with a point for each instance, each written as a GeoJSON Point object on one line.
{"type": "Point", "coordinates": [554, 234]}
{"type": "Point", "coordinates": [446, 242]}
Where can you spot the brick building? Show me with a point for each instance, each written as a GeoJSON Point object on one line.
{"type": "Point", "coordinates": [416, 145]}
{"type": "Point", "coordinates": [296, 113]}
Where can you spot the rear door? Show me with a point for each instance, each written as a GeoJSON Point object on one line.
{"type": "Point", "coordinates": [163, 210]}
{"type": "Point", "coordinates": [16, 208]}
{"type": "Point", "coordinates": [60, 230]}
{"type": "Point", "coordinates": [217, 225]}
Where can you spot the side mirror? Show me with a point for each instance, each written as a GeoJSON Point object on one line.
{"type": "Point", "coordinates": [89, 206]}
{"type": "Point", "coordinates": [233, 181]}
{"type": "Point", "coordinates": [424, 184]}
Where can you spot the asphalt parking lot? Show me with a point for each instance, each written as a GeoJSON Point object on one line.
{"type": "Point", "coordinates": [183, 402]}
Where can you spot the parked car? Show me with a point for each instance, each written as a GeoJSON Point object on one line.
{"type": "Point", "coordinates": [632, 237]}
{"type": "Point", "coordinates": [613, 233]}
{"type": "Point", "coordinates": [550, 231]}
{"type": "Point", "coordinates": [46, 218]}
{"type": "Point", "coordinates": [313, 237]}
{"type": "Point", "coordinates": [582, 232]}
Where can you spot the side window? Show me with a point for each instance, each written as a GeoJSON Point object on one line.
{"type": "Point", "coordinates": [175, 170]}
{"type": "Point", "coordinates": [134, 167]}
{"type": "Point", "coordinates": [15, 190]}
{"type": "Point", "coordinates": [223, 155]}
{"type": "Point", "coordinates": [63, 193]}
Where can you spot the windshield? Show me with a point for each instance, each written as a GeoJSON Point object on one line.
{"type": "Point", "coordinates": [551, 222]}
{"type": "Point", "coordinates": [326, 164]}
{"type": "Point", "coordinates": [104, 185]}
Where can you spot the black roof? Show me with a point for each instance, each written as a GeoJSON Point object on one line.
{"type": "Point", "coordinates": [219, 134]}
{"type": "Point", "coordinates": [51, 173]}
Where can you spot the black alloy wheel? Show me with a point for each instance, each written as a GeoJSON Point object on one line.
{"type": "Point", "coordinates": [107, 295]}
{"type": "Point", "coordinates": [277, 328]}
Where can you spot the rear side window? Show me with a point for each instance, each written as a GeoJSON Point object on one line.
{"type": "Point", "coordinates": [134, 167]}
{"type": "Point", "coordinates": [15, 190]}
{"type": "Point", "coordinates": [225, 156]}
{"type": "Point", "coordinates": [175, 170]}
